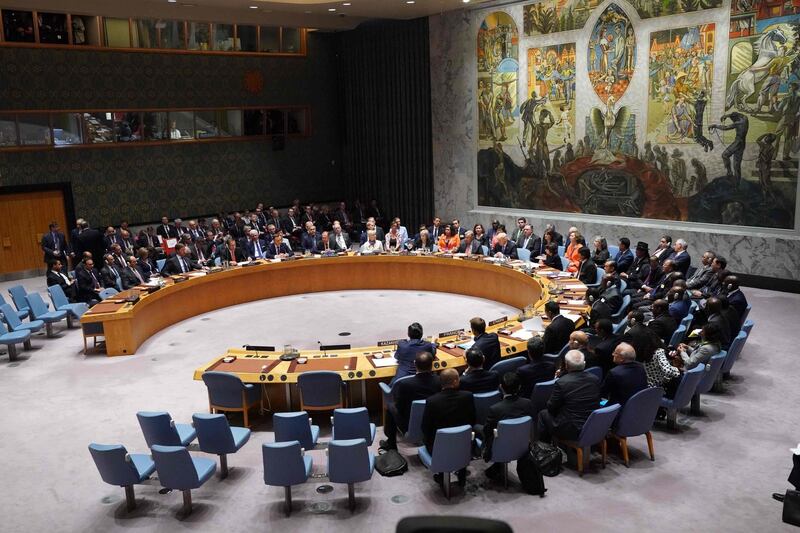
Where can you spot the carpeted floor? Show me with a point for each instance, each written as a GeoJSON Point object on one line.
{"type": "Point", "coordinates": [716, 473]}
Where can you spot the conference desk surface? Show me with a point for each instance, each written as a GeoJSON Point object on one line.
{"type": "Point", "coordinates": [126, 325]}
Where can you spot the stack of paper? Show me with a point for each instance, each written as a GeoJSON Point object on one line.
{"type": "Point", "coordinates": [383, 363]}
{"type": "Point", "coordinates": [572, 316]}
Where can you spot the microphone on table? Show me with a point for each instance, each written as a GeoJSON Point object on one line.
{"type": "Point", "coordinates": [322, 348]}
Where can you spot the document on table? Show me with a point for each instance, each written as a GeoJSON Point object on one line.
{"type": "Point", "coordinates": [576, 302]}
{"type": "Point", "coordinates": [523, 334]}
{"type": "Point", "coordinates": [466, 345]}
{"type": "Point", "coordinates": [533, 324]}
{"type": "Point", "coordinates": [383, 363]}
{"type": "Point", "coordinates": [571, 316]}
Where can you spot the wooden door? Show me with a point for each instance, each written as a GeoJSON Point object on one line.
{"type": "Point", "coordinates": [25, 218]}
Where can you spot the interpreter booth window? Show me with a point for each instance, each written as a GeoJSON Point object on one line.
{"type": "Point", "coordinates": [34, 129]}
{"type": "Point", "coordinates": [253, 122]}
{"type": "Point", "coordinates": [205, 124]}
{"type": "Point", "coordinates": [276, 124]}
{"type": "Point", "coordinates": [198, 35]}
{"type": "Point", "coordinates": [296, 121]}
{"type": "Point", "coordinates": [246, 38]}
{"type": "Point", "coordinates": [127, 127]}
{"type": "Point", "coordinates": [270, 40]}
{"type": "Point", "coordinates": [229, 122]}
{"type": "Point", "coordinates": [53, 28]}
{"type": "Point", "coordinates": [181, 125]}
{"type": "Point", "coordinates": [18, 26]}
{"type": "Point", "coordinates": [223, 37]}
{"type": "Point", "coordinates": [8, 130]}
{"type": "Point", "coordinates": [117, 33]}
{"type": "Point", "coordinates": [84, 31]}
{"type": "Point", "coordinates": [99, 127]}
{"type": "Point", "coordinates": [145, 34]}
{"type": "Point", "coordinates": [156, 126]}
{"type": "Point", "coordinates": [173, 34]}
{"type": "Point", "coordinates": [290, 41]}
{"type": "Point", "coordinates": [67, 129]}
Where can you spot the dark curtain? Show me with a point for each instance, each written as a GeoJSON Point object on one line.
{"type": "Point", "coordinates": [384, 88]}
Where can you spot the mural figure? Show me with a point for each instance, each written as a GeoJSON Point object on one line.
{"type": "Point", "coordinates": [699, 109]}
{"type": "Point", "coordinates": [663, 8]}
{"type": "Point", "coordinates": [766, 153]}
{"type": "Point", "coordinates": [611, 53]}
{"type": "Point", "coordinates": [552, 16]}
{"type": "Point", "coordinates": [498, 68]}
{"type": "Point", "coordinates": [735, 150]}
{"type": "Point", "coordinates": [772, 61]}
{"type": "Point", "coordinates": [606, 123]}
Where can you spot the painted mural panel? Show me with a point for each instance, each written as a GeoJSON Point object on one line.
{"type": "Point", "coordinates": [498, 70]}
{"type": "Point", "coordinates": [611, 53]}
{"type": "Point", "coordinates": [552, 16]}
{"type": "Point", "coordinates": [681, 72]}
{"type": "Point", "coordinates": [662, 8]}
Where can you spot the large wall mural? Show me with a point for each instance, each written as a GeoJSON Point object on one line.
{"type": "Point", "coordinates": [685, 146]}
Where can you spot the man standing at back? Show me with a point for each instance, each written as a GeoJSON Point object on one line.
{"type": "Point", "coordinates": [419, 387]}
{"type": "Point", "coordinates": [575, 395]}
{"type": "Point", "coordinates": [407, 351]}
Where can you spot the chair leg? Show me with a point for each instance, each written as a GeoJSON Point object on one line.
{"type": "Point", "coordinates": [579, 452]}
{"type": "Point", "coordinates": [12, 352]}
{"type": "Point", "coordinates": [27, 344]}
{"type": "Point", "coordinates": [604, 450]}
{"type": "Point", "coordinates": [672, 418]}
{"type": "Point", "coordinates": [351, 496]}
{"type": "Point", "coordinates": [246, 418]}
{"type": "Point", "coordinates": [130, 499]}
{"type": "Point", "coordinates": [446, 484]}
{"type": "Point", "coordinates": [223, 466]}
{"type": "Point", "coordinates": [505, 475]}
{"type": "Point", "coordinates": [69, 322]}
{"type": "Point", "coordinates": [650, 447]}
{"type": "Point", "coordinates": [85, 345]}
{"type": "Point", "coordinates": [287, 500]}
{"type": "Point", "coordinates": [187, 502]}
{"type": "Point", "coordinates": [48, 327]}
{"type": "Point", "coordinates": [623, 444]}
{"type": "Point", "coordinates": [718, 386]}
{"type": "Point", "coordinates": [695, 407]}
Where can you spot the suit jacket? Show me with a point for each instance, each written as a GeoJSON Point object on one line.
{"type": "Point", "coordinates": [533, 373]}
{"type": "Point", "coordinates": [734, 322]}
{"type": "Point", "coordinates": [624, 260]}
{"type": "Point", "coordinates": [288, 225]}
{"type": "Point", "coordinates": [490, 346]}
{"type": "Point", "coordinates": [738, 301]}
{"type": "Point", "coordinates": [680, 308]}
{"type": "Point", "coordinates": [507, 408]}
{"type": "Point", "coordinates": [575, 396]}
{"type": "Point", "coordinates": [406, 353]}
{"type": "Point", "coordinates": [273, 251]}
{"type": "Point", "coordinates": [638, 272]}
{"type": "Point", "coordinates": [448, 408]}
{"type": "Point", "coordinates": [599, 310]}
{"type": "Point", "coordinates": [194, 253]}
{"type": "Point", "coordinates": [91, 240]}
{"type": "Point", "coordinates": [553, 261]}
{"type": "Point", "coordinates": [557, 333]}
{"type": "Point", "coordinates": [474, 246]}
{"type": "Point", "coordinates": [587, 272]}
{"type": "Point", "coordinates": [439, 233]}
{"type": "Point", "coordinates": [146, 269]}
{"type": "Point", "coordinates": [534, 243]}
{"type": "Point", "coordinates": [129, 278]}
{"type": "Point", "coordinates": [331, 245]}
{"type": "Point", "coordinates": [142, 241]}
{"type": "Point", "coordinates": [54, 278]}
{"type": "Point", "coordinates": [603, 348]}
{"type": "Point", "coordinates": [477, 380]}
{"type": "Point", "coordinates": [85, 283]}
{"type": "Point", "coordinates": [419, 387]}
{"type": "Point", "coordinates": [516, 234]}
{"type": "Point", "coordinates": [663, 255]}
{"type": "Point", "coordinates": [250, 248]}
{"type": "Point", "coordinates": [700, 278]}
{"type": "Point", "coordinates": [429, 246]}
{"type": "Point", "coordinates": [224, 254]}
{"type": "Point", "coordinates": [724, 328]}
{"type": "Point", "coordinates": [49, 245]}
{"type": "Point", "coordinates": [663, 326]}
{"type": "Point", "coordinates": [168, 232]}
{"type": "Point", "coordinates": [623, 381]}
{"type": "Point", "coordinates": [509, 250]}
{"type": "Point", "coordinates": [335, 243]}
{"type": "Point", "coordinates": [111, 278]}
{"type": "Point", "coordinates": [310, 243]}
{"type": "Point", "coordinates": [682, 261]}
{"type": "Point", "coordinates": [173, 267]}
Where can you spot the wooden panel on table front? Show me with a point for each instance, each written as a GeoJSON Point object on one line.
{"type": "Point", "coordinates": [25, 217]}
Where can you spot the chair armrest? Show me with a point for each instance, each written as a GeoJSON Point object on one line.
{"type": "Point", "coordinates": [302, 451]}
{"type": "Point", "coordinates": [386, 389]}
{"type": "Point", "coordinates": [128, 458]}
{"type": "Point", "coordinates": [172, 423]}
{"type": "Point", "coordinates": [494, 431]}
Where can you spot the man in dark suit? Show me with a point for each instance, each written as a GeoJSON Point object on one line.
{"type": "Point", "coordinates": [131, 275]}
{"type": "Point", "coordinates": [278, 248]}
{"type": "Point", "coordinates": [55, 276]}
{"type": "Point", "coordinates": [664, 249]}
{"type": "Point", "coordinates": [598, 307]}
{"type": "Point", "coordinates": [469, 245]}
{"type": "Point", "coordinates": [556, 334]}
{"type": "Point", "coordinates": [537, 370]}
{"type": "Point", "coordinates": [715, 316]}
{"type": "Point", "coordinates": [230, 252]}
{"type": "Point", "coordinates": [663, 325]}
{"type": "Point", "coordinates": [603, 343]}
{"type": "Point", "coordinates": [109, 274]}
{"type": "Point", "coordinates": [513, 405]}
{"type": "Point", "coordinates": [529, 240]}
{"type": "Point", "coordinates": [736, 297]}
{"type": "Point", "coordinates": [575, 395]}
{"type": "Point", "coordinates": [504, 247]}
{"type": "Point", "coordinates": [517, 233]}
{"type": "Point", "coordinates": [626, 379]}
{"type": "Point", "coordinates": [199, 251]}
{"type": "Point", "coordinates": [310, 241]}
{"type": "Point", "coordinates": [407, 350]}
{"type": "Point", "coordinates": [609, 292]}
{"type": "Point", "coordinates": [488, 343]}
{"type": "Point", "coordinates": [147, 267]}
{"type": "Point", "coordinates": [379, 234]}
{"type": "Point", "coordinates": [419, 387]}
{"type": "Point", "coordinates": [448, 408]}
{"type": "Point", "coordinates": [458, 229]}
{"type": "Point", "coordinates": [166, 230]}
{"type": "Point", "coordinates": [54, 245]}
{"type": "Point", "coordinates": [639, 270]}
{"type": "Point", "coordinates": [680, 257]}
{"type": "Point", "coordinates": [91, 240]}
{"type": "Point", "coordinates": [180, 262]}
{"type": "Point", "coordinates": [643, 340]}
{"type": "Point", "coordinates": [344, 218]}
{"type": "Point", "coordinates": [624, 258]}
{"type": "Point", "coordinates": [476, 378]}
{"type": "Point", "coordinates": [88, 283]}
{"type": "Point", "coordinates": [340, 238]}
{"type": "Point", "coordinates": [436, 230]}
{"type": "Point", "coordinates": [255, 248]}
{"type": "Point", "coordinates": [587, 270]}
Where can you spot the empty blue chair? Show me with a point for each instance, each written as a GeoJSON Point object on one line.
{"type": "Point", "coordinates": [452, 451]}
{"type": "Point", "coordinates": [623, 309]}
{"type": "Point", "coordinates": [746, 314]}
{"type": "Point", "coordinates": [159, 428]}
{"type": "Point", "coordinates": [508, 365]}
{"type": "Point", "coordinates": [350, 462]}
{"type": "Point", "coordinates": [11, 338]}
{"type": "Point", "coordinates": [15, 324]}
{"type": "Point", "coordinates": [295, 426]}
{"type": "Point", "coordinates": [512, 438]}
{"type": "Point", "coordinates": [540, 395]}
{"type": "Point", "coordinates": [353, 423]}
{"type": "Point", "coordinates": [216, 436]}
{"type": "Point", "coordinates": [678, 336]}
{"type": "Point", "coordinates": [118, 467]}
{"type": "Point", "coordinates": [320, 391]}
{"type": "Point", "coordinates": [285, 465]}
{"type": "Point", "coordinates": [612, 251]}
{"type": "Point", "coordinates": [227, 392]}
{"type": "Point", "coordinates": [386, 395]}
{"type": "Point", "coordinates": [160, 264]}
{"type": "Point", "coordinates": [177, 470]}
{"type": "Point", "coordinates": [733, 353]}
{"type": "Point", "coordinates": [483, 401]}
{"type": "Point", "coordinates": [39, 311]}
{"type": "Point", "coordinates": [18, 294]}
{"type": "Point", "coordinates": [594, 431]}
{"type": "Point", "coordinates": [708, 380]}
{"type": "Point", "coordinates": [564, 263]}
{"type": "Point", "coordinates": [637, 418]}
{"type": "Point", "coordinates": [689, 381]}
{"type": "Point", "coordinates": [523, 254]}
{"type": "Point", "coordinates": [107, 293]}
{"type": "Point", "coordinates": [596, 371]}
{"type": "Point", "coordinates": [22, 315]}
{"type": "Point", "coordinates": [747, 327]}
{"type": "Point", "coordinates": [561, 250]}
{"type": "Point", "coordinates": [61, 303]}
{"type": "Point", "coordinates": [414, 433]}
{"type": "Point", "coordinates": [686, 321]}
{"type": "Point", "coordinates": [619, 328]}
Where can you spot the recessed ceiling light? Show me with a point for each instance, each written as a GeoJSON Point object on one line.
{"type": "Point", "coordinates": [172, 1]}
{"type": "Point", "coordinates": [465, 1]}
{"type": "Point", "coordinates": [346, 4]}
{"type": "Point", "coordinates": [253, 7]}
{"type": "Point", "coordinates": [331, 9]}
{"type": "Point", "coordinates": [410, 2]}
{"type": "Point", "coordinates": [307, 12]}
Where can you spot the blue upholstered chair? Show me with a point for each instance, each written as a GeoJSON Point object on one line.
{"type": "Point", "coordinates": [678, 336]}
{"type": "Point", "coordinates": [160, 264]}
{"type": "Point", "coordinates": [623, 286]}
{"type": "Point", "coordinates": [508, 365]}
{"type": "Point", "coordinates": [414, 433]}
{"type": "Point", "coordinates": [683, 396]}
{"type": "Point", "coordinates": [118, 467]}
{"type": "Point", "coordinates": [15, 324]}
{"type": "Point", "coordinates": [686, 321]}
{"type": "Point", "coordinates": [159, 428]}
{"type": "Point", "coordinates": [596, 371]}
{"type": "Point", "coordinates": [216, 436]}
{"type": "Point", "coordinates": [612, 251]}
{"type": "Point", "coordinates": [178, 470]}
{"type": "Point", "coordinates": [540, 395]}
{"type": "Point", "coordinates": [483, 401]}
{"type": "Point", "coordinates": [227, 392]}
{"type": "Point", "coordinates": [523, 254]}
{"type": "Point", "coordinates": [564, 263]}
{"type": "Point", "coordinates": [320, 391]}
{"type": "Point", "coordinates": [485, 249]}
{"type": "Point", "coordinates": [22, 315]}
{"type": "Point", "coordinates": [594, 431]}
{"type": "Point", "coordinates": [562, 250]}
{"type": "Point", "coordinates": [350, 462]}
{"type": "Point", "coordinates": [386, 395]}
{"type": "Point", "coordinates": [747, 326]}
{"type": "Point", "coordinates": [512, 437]}
{"type": "Point", "coordinates": [295, 426]}
{"type": "Point", "coordinates": [619, 328]}
{"type": "Point", "coordinates": [709, 380]}
{"type": "Point", "coordinates": [61, 303]}
{"type": "Point", "coordinates": [733, 353]}
{"type": "Point", "coordinates": [285, 465]}
{"type": "Point", "coordinates": [623, 310]}
{"type": "Point", "coordinates": [39, 311]}
{"type": "Point", "coordinates": [11, 338]}
{"type": "Point", "coordinates": [353, 423]}
{"type": "Point", "coordinates": [452, 451]}
{"type": "Point", "coordinates": [637, 418]}
{"type": "Point", "coordinates": [746, 314]}
{"type": "Point", "coordinates": [18, 294]}
{"type": "Point", "coordinates": [108, 292]}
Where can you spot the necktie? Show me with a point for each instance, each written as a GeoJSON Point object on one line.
{"type": "Point", "coordinates": [96, 283]}
{"type": "Point", "coordinates": [183, 265]}
{"type": "Point", "coordinates": [525, 242]}
{"type": "Point", "coordinates": [258, 250]}
{"type": "Point", "coordinates": [138, 276]}
{"type": "Point", "coordinates": [200, 255]}
{"type": "Point", "coordinates": [55, 243]}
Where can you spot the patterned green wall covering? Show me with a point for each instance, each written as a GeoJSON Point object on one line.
{"type": "Point", "coordinates": [141, 183]}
